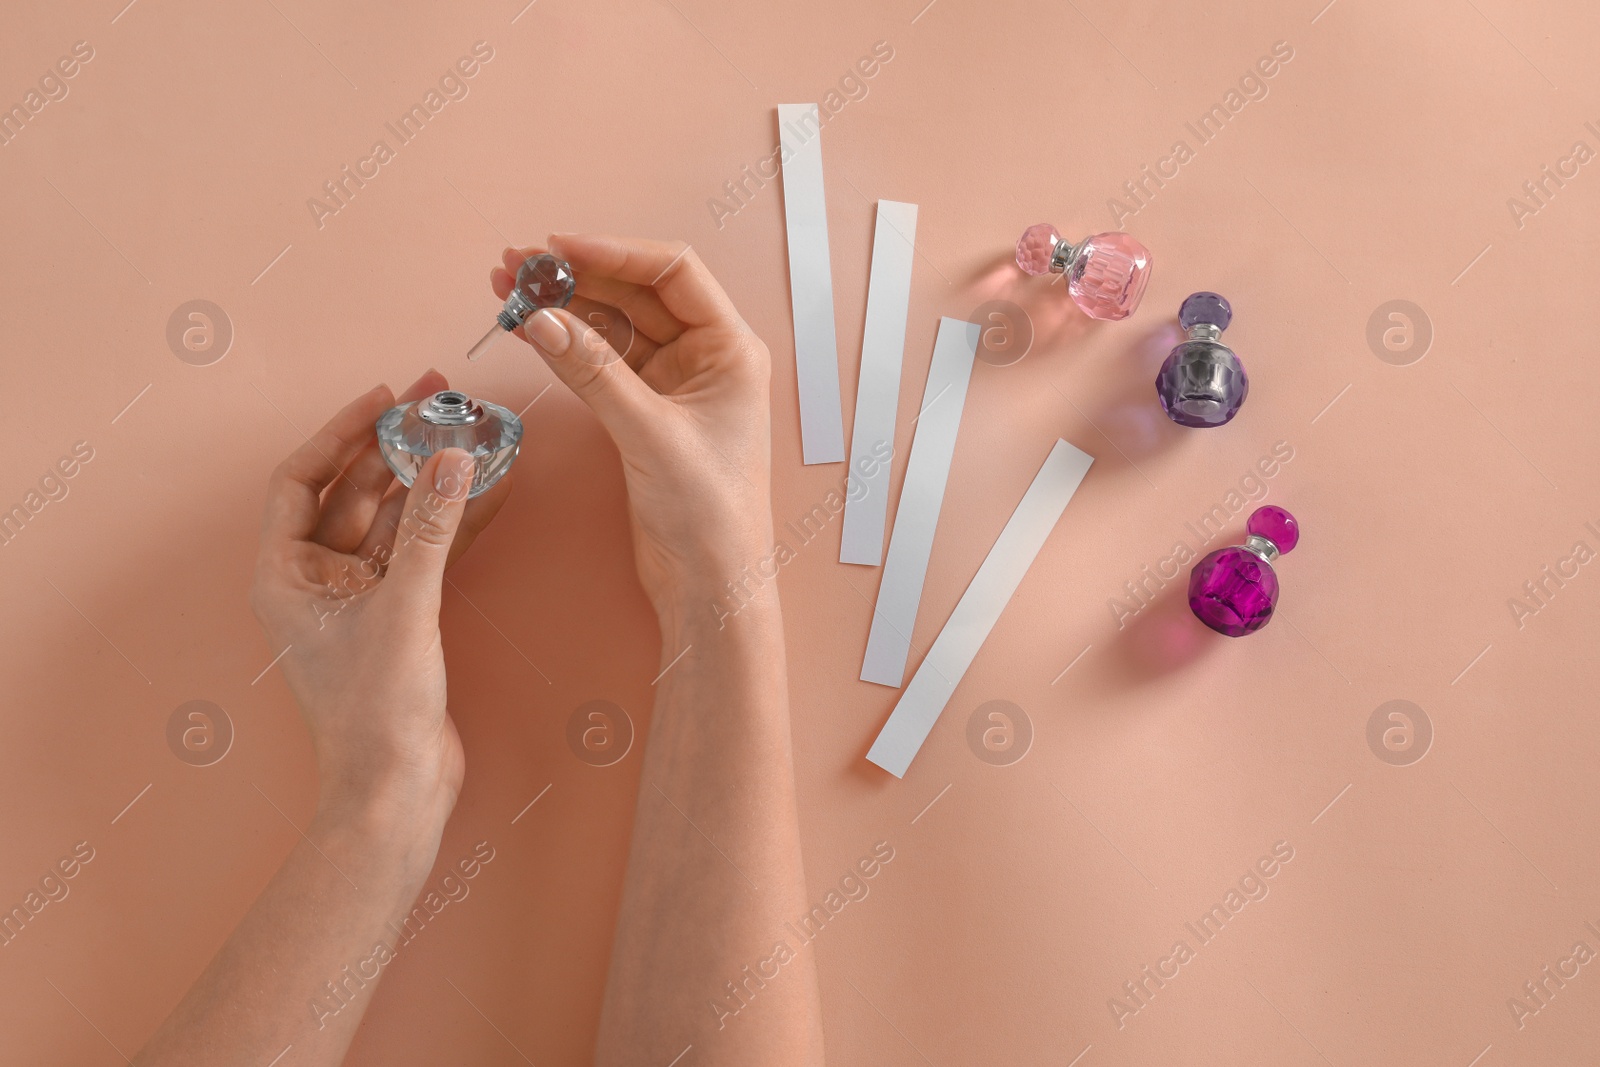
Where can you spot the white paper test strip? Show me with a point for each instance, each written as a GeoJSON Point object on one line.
{"type": "Point", "coordinates": [816, 347]}
{"type": "Point", "coordinates": [979, 608]}
{"type": "Point", "coordinates": [883, 341]}
{"type": "Point", "coordinates": [932, 446]}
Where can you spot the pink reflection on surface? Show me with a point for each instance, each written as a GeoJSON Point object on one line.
{"type": "Point", "coordinates": [1164, 636]}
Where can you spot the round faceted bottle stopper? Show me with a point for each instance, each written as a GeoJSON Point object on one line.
{"type": "Point", "coordinates": [543, 281]}
{"type": "Point", "coordinates": [1276, 525]}
{"type": "Point", "coordinates": [1036, 246]}
{"type": "Point", "coordinates": [1207, 309]}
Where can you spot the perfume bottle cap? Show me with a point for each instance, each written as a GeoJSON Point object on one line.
{"type": "Point", "coordinates": [1209, 309]}
{"type": "Point", "coordinates": [1276, 525]}
{"type": "Point", "coordinates": [543, 281]}
{"type": "Point", "coordinates": [1036, 249]}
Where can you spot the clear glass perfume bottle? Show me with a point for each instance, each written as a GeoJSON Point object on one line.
{"type": "Point", "coordinates": [1202, 383]}
{"type": "Point", "coordinates": [410, 433]}
{"type": "Point", "coordinates": [543, 281]}
{"type": "Point", "coordinates": [1234, 590]}
{"type": "Point", "coordinates": [1106, 274]}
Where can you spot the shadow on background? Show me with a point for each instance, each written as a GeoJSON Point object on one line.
{"type": "Point", "coordinates": [1164, 637]}
{"type": "Point", "coordinates": [1132, 415]}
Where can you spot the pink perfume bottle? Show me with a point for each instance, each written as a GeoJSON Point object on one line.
{"type": "Point", "coordinates": [1234, 590]}
{"type": "Point", "coordinates": [1106, 273]}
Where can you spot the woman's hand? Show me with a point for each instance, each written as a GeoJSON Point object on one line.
{"type": "Point", "coordinates": [347, 588]}
{"type": "Point", "coordinates": [361, 651]}
{"type": "Point", "coordinates": [687, 407]}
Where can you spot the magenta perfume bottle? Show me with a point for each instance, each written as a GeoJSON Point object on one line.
{"type": "Point", "coordinates": [543, 281]}
{"type": "Point", "coordinates": [410, 433]}
{"type": "Point", "coordinates": [1106, 274]}
{"type": "Point", "coordinates": [1202, 383]}
{"type": "Point", "coordinates": [1234, 590]}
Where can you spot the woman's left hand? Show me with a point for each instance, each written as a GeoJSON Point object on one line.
{"type": "Point", "coordinates": [348, 588]}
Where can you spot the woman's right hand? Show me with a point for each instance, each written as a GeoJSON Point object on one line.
{"type": "Point", "coordinates": [688, 408]}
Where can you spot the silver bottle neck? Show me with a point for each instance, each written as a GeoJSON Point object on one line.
{"type": "Point", "coordinates": [450, 408]}
{"type": "Point", "coordinates": [1262, 548]}
{"type": "Point", "coordinates": [1204, 331]}
{"type": "Point", "coordinates": [1064, 255]}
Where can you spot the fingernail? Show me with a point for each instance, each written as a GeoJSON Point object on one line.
{"type": "Point", "coordinates": [548, 332]}
{"type": "Point", "coordinates": [453, 476]}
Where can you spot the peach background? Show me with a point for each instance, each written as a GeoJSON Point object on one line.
{"type": "Point", "coordinates": [1164, 763]}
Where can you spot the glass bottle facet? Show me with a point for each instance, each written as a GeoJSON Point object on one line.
{"type": "Point", "coordinates": [409, 433]}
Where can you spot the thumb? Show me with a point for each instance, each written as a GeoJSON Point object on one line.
{"type": "Point", "coordinates": [591, 368]}
{"type": "Point", "coordinates": [426, 529]}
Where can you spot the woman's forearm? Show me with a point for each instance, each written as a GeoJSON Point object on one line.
{"type": "Point", "coordinates": [702, 955]}
{"type": "Point", "coordinates": [302, 966]}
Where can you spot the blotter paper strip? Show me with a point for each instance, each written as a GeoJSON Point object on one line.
{"type": "Point", "coordinates": [921, 495]}
{"type": "Point", "coordinates": [883, 342]}
{"type": "Point", "coordinates": [816, 348]}
{"type": "Point", "coordinates": [979, 609]}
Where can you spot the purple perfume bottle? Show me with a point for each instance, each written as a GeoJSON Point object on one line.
{"type": "Point", "coordinates": [1202, 383]}
{"type": "Point", "coordinates": [1233, 590]}
{"type": "Point", "coordinates": [1106, 273]}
